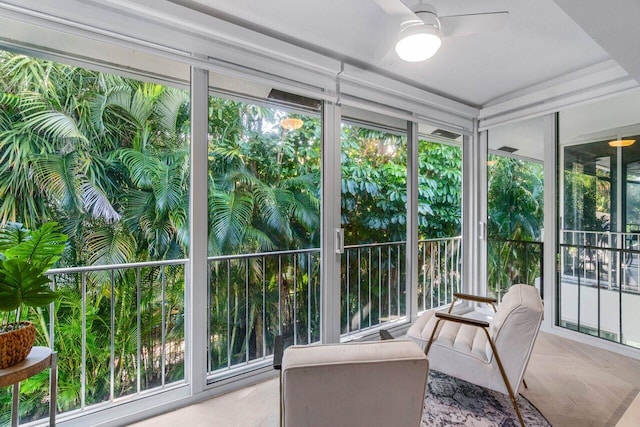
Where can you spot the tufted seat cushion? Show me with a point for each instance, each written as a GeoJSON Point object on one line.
{"type": "Point", "coordinates": [455, 336]}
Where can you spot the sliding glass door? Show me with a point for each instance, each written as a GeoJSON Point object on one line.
{"type": "Point", "coordinates": [263, 226]}
{"type": "Point", "coordinates": [373, 200]}
{"type": "Point", "coordinates": [515, 206]}
{"type": "Point", "coordinates": [439, 216]}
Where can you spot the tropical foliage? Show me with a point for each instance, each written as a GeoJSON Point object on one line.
{"type": "Point", "coordinates": [107, 157]}
{"type": "Point", "coordinates": [515, 210]}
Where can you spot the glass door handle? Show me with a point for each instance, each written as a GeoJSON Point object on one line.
{"type": "Point", "coordinates": [339, 240]}
{"type": "Point", "coordinates": [482, 230]}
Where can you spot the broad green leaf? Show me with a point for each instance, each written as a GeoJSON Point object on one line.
{"type": "Point", "coordinates": [43, 249]}
{"type": "Point", "coordinates": [23, 283]}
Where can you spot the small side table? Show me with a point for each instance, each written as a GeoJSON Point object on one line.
{"type": "Point", "coordinates": [38, 360]}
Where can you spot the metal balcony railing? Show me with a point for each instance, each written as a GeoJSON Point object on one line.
{"type": "Point", "coordinates": [440, 271]}
{"type": "Point", "coordinates": [599, 290]}
{"type": "Point", "coordinates": [602, 259]}
{"type": "Point", "coordinates": [118, 330]}
{"type": "Point", "coordinates": [511, 262]}
{"type": "Point", "coordinates": [120, 334]}
{"type": "Point", "coordinates": [255, 297]}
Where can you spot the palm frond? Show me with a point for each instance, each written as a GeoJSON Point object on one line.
{"type": "Point", "coordinates": [262, 239]}
{"type": "Point", "coordinates": [306, 210]}
{"type": "Point", "coordinates": [41, 117]}
{"type": "Point", "coordinates": [168, 107]}
{"type": "Point", "coordinates": [25, 73]}
{"type": "Point", "coordinates": [230, 215]}
{"type": "Point", "coordinates": [139, 206]}
{"type": "Point", "coordinates": [9, 100]}
{"type": "Point", "coordinates": [106, 245]}
{"type": "Point", "coordinates": [239, 177]}
{"type": "Point", "coordinates": [56, 174]}
{"type": "Point", "coordinates": [142, 167]}
{"type": "Point", "coordinates": [132, 105]}
{"type": "Point", "coordinates": [97, 203]}
{"type": "Point", "coordinates": [272, 204]}
{"type": "Point", "coordinates": [168, 187]}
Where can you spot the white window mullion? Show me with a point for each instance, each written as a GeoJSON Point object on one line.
{"type": "Point", "coordinates": [197, 283]}
{"type": "Point", "coordinates": [481, 209]}
{"type": "Point", "coordinates": [551, 221]}
{"type": "Point", "coordinates": [330, 241]}
{"type": "Point", "coordinates": [474, 213]}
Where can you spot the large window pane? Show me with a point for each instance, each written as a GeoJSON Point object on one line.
{"type": "Point", "coordinates": [439, 216]}
{"type": "Point", "coordinates": [374, 196]}
{"type": "Point", "coordinates": [599, 292]}
{"type": "Point", "coordinates": [107, 157]}
{"type": "Point", "coordinates": [264, 229]}
{"type": "Point", "coordinates": [515, 206]}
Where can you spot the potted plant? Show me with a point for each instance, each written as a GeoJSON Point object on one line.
{"type": "Point", "coordinates": [25, 257]}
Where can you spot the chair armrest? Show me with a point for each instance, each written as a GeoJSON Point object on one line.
{"type": "Point", "coordinates": [278, 352]}
{"type": "Point", "coordinates": [476, 298]}
{"type": "Point", "coordinates": [462, 319]}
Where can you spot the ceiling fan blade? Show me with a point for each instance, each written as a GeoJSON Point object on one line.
{"type": "Point", "coordinates": [462, 25]}
{"type": "Point", "coordinates": [396, 8]}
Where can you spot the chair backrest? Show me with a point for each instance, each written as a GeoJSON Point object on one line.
{"type": "Point", "coordinates": [371, 383]}
{"type": "Point", "coordinates": [514, 330]}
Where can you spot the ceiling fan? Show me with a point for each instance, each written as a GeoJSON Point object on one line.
{"type": "Point", "coordinates": [422, 29]}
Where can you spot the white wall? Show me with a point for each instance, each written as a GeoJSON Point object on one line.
{"type": "Point", "coordinates": [609, 310]}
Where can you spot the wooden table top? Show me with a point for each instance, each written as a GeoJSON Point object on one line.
{"type": "Point", "coordinates": [38, 359]}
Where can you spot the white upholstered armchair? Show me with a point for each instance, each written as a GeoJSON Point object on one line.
{"type": "Point", "coordinates": [379, 383]}
{"type": "Point", "coordinates": [492, 352]}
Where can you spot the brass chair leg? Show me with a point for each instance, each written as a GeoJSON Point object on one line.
{"type": "Point", "coordinates": [517, 408]}
{"type": "Point", "coordinates": [504, 378]}
{"type": "Point", "coordinates": [452, 304]}
{"type": "Point", "coordinates": [433, 333]}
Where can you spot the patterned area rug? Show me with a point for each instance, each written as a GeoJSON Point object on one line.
{"type": "Point", "coordinates": [453, 402]}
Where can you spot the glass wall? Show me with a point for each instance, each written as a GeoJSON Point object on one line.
{"type": "Point", "coordinates": [515, 206]}
{"type": "Point", "coordinates": [599, 292]}
{"type": "Point", "coordinates": [107, 158]}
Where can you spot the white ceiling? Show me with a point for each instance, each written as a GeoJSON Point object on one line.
{"type": "Point", "coordinates": [539, 42]}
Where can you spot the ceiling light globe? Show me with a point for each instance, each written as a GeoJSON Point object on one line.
{"type": "Point", "coordinates": [418, 43]}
